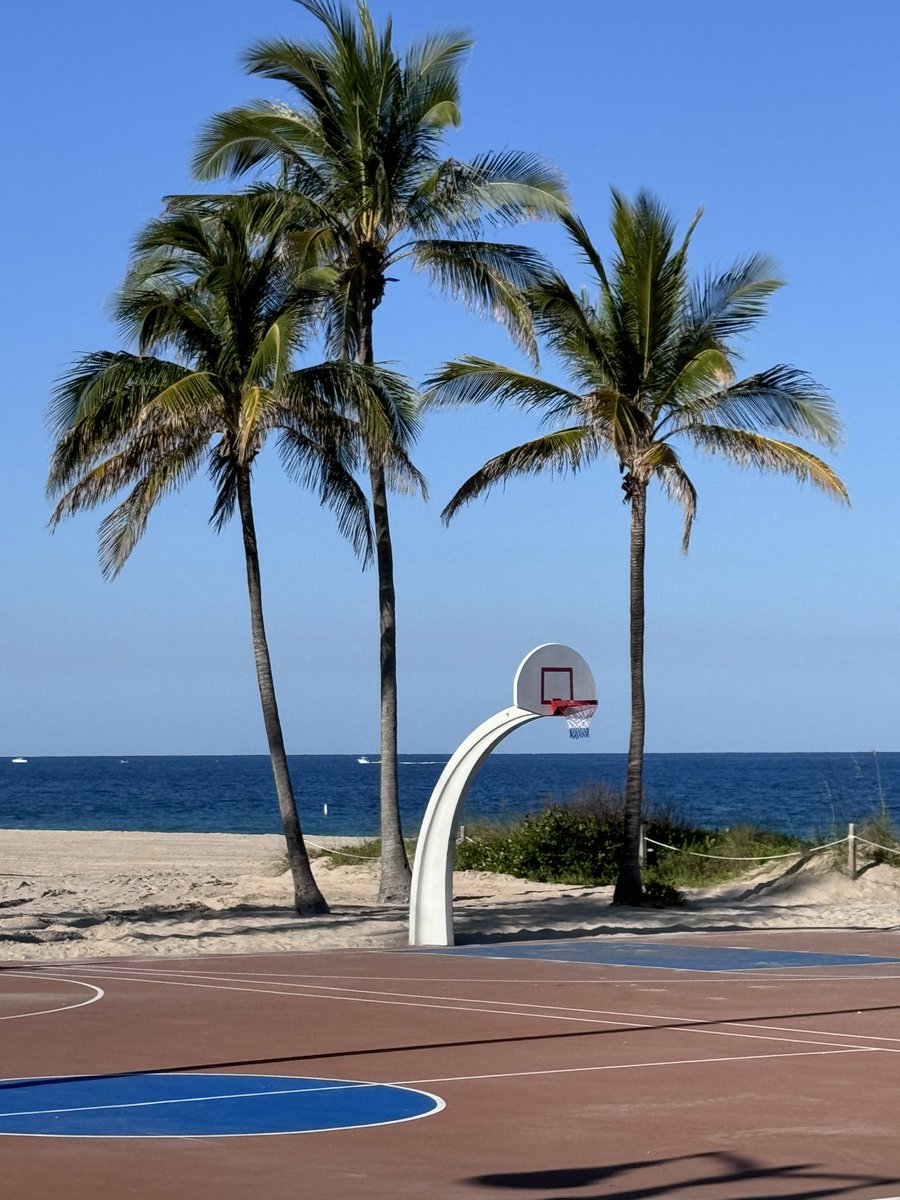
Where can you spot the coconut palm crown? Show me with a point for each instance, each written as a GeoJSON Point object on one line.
{"type": "Point", "coordinates": [357, 144]}
{"type": "Point", "coordinates": [219, 303]}
{"type": "Point", "coordinates": [651, 360]}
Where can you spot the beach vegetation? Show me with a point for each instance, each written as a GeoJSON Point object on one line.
{"type": "Point", "coordinates": [579, 841]}
{"type": "Point", "coordinates": [353, 853]}
{"type": "Point", "coordinates": [650, 356]}
{"type": "Point", "coordinates": [879, 829]}
{"type": "Point", "coordinates": [357, 147]}
{"type": "Point", "coordinates": [218, 301]}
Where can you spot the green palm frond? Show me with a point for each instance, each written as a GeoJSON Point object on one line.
{"type": "Point", "coordinates": [321, 466]}
{"type": "Point", "coordinates": [224, 469]}
{"type": "Point", "coordinates": [649, 360]}
{"type": "Point", "coordinates": [401, 473]}
{"type": "Point", "coordinates": [648, 280]}
{"type": "Point", "coordinates": [723, 306]}
{"type": "Point", "coordinates": [358, 143]}
{"type": "Point", "coordinates": [509, 184]}
{"type": "Point", "coordinates": [472, 380]}
{"type": "Point", "coordinates": [691, 383]}
{"type": "Point", "coordinates": [140, 422]}
{"type": "Point", "coordinates": [396, 400]}
{"type": "Point", "coordinates": [781, 397]}
{"type": "Point", "coordinates": [562, 451]}
{"type": "Point", "coordinates": [585, 340]}
{"type": "Point", "coordinates": [257, 135]}
{"type": "Point", "coordinates": [768, 454]}
{"type": "Point", "coordinates": [121, 529]}
{"type": "Point", "coordinates": [490, 278]}
{"type": "Point", "coordinates": [106, 402]}
{"type": "Point", "coordinates": [196, 391]}
{"type": "Point", "coordinates": [661, 460]}
{"type": "Point", "coordinates": [273, 355]}
{"type": "Point", "coordinates": [501, 188]}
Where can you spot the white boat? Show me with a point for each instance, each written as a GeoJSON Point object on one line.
{"type": "Point", "coordinates": [19, 760]}
{"type": "Point", "coordinates": [363, 759]}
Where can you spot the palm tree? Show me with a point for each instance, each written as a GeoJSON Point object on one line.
{"type": "Point", "coordinates": [358, 148]}
{"type": "Point", "coordinates": [650, 360]}
{"type": "Point", "coordinates": [218, 308]}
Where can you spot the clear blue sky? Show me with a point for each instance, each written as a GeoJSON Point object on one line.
{"type": "Point", "coordinates": [778, 632]}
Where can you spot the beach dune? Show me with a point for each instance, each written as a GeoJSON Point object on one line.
{"type": "Point", "coordinates": [74, 894]}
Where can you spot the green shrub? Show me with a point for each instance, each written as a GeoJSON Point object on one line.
{"type": "Point", "coordinates": [878, 828]}
{"type": "Point", "coordinates": [662, 895]}
{"type": "Point", "coordinates": [741, 842]}
{"type": "Point", "coordinates": [579, 841]}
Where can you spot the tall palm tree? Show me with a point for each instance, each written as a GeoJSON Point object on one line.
{"type": "Point", "coordinates": [651, 363]}
{"type": "Point", "coordinates": [218, 308]}
{"type": "Point", "coordinates": [358, 146]}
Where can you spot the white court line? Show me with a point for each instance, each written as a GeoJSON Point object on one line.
{"type": "Point", "coordinates": [350, 1085]}
{"type": "Point", "coordinates": [463, 1004]}
{"type": "Point", "coordinates": [545, 1011]}
{"type": "Point", "coordinates": [674, 1062]}
{"type": "Point", "coordinates": [356, 1085]}
{"type": "Point", "coordinates": [340, 1085]}
{"type": "Point", "coordinates": [43, 1012]}
{"type": "Point", "coordinates": [670, 978]}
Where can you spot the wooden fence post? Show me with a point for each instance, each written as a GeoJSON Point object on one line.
{"type": "Point", "coordinates": [851, 851]}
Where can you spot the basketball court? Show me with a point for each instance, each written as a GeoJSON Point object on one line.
{"type": "Point", "coordinates": [708, 1066]}
{"type": "Point", "coordinates": [704, 1066]}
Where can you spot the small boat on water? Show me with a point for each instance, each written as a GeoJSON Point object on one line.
{"type": "Point", "coordinates": [362, 759]}
{"type": "Point", "coordinates": [19, 760]}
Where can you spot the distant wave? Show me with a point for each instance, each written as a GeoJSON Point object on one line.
{"type": "Point", "coordinates": [404, 762]}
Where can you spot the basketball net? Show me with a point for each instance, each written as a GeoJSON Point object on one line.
{"type": "Point", "coordinates": [578, 714]}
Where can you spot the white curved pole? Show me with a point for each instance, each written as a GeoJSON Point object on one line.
{"type": "Point", "coordinates": [431, 898]}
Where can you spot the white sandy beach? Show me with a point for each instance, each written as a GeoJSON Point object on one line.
{"type": "Point", "coordinates": [66, 895]}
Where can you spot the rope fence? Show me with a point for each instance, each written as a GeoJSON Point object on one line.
{"type": "Point", "coordinates": [851, 841]}
{"type": "Point", "coordinates": [339, 850]}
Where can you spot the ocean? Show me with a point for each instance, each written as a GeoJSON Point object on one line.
{"type": "Point", "coordinates": [804, 794]}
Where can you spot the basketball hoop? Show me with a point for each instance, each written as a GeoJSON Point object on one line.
{"type": "Point", "coordinates": [578, 714]}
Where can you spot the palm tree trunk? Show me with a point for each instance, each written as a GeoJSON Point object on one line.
{"type": "Point", "coordinates": [395, 873]}
{"type": "Point", "coordinates": [628, 884]}
{"type": "Point", "coordinates": [308, 900]}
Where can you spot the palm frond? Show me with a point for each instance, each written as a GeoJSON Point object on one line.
{"type": "Point", "coordinates": [401, 473]}
{"type": "Point", "coordinates": [503, 188]}
{"type": "Point", "coordinates": [586, 342]}
{"type": "Point", "coordinates": [690, 383]}
{"type": "Point", "coordinates": [781, 397]}
{"type": "Point", "coordinates": [256, 135]}
{"type": "Point", "coordinates": [722, 306]}
{"type": "Point", "coordinates": [121, 529]}
{"type": "Point", "coordinates": [662, 460]}
{"type": "Point", "coordinates": [321, 466]}
{"type": "Point", "coordinates": [224, 467]}
{"type": "Point", "coordinates": [768, 454]}
{"type": "Point", "coordinates": [648, 279]}
{"type": "Point", "coordinates": [473, 380]}
{"type": "Point", "coordinates": [489, 277]}
{"type": "Point", "coordinates": [564, 450]}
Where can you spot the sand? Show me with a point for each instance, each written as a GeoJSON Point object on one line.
{"type": "Point", "coordinates": [67, 895]}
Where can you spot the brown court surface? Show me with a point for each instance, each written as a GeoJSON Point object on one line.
{"type": "Point", "coordinates": [562, 1080]}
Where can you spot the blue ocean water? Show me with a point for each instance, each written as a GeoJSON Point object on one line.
{"type": "Point", "coordinates": [803, 794]}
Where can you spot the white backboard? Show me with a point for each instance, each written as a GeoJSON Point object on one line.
{"type": "Point", "coordinates": [552, 672]}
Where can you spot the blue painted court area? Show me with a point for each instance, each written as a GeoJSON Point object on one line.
{"type": "Point", "coordinates": [665, 955]}
{"type": "Point", "coordinates": [198, 1105]}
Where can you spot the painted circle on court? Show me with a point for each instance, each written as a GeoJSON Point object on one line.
{"type": "Point", "coordinates": [193, 1104]}
{"type": "Point", "coordinates": [26, 994]}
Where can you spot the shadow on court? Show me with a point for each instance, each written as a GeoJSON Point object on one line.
{"type": "Point", "coordinates": [458, 1043]}
{"type": "Point", "coordinates": [689, 1175]}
